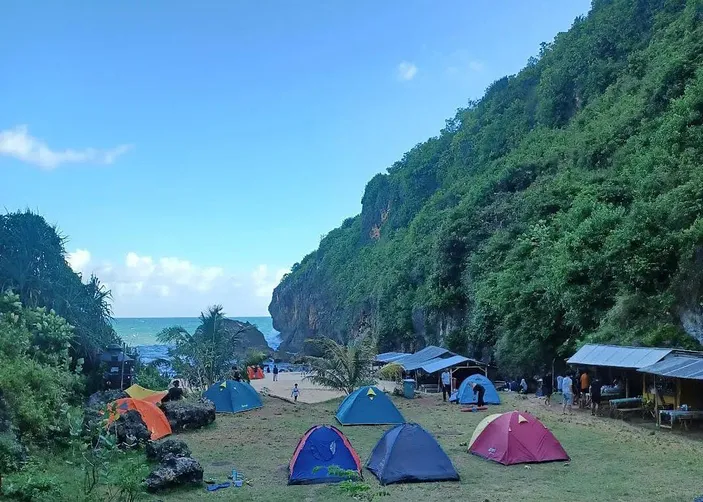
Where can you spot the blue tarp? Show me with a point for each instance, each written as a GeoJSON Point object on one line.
{"type": "Point", "coordinates": [437, 364]}
{"type": "Point", "coordinates": [677, 366]}
{"type": "Point", "coordinates": [466, 394]}
{"type": "Point", "coordinates": [618, 357]}
{"type": "Point", "coordinates": [408, 453]}
{"type": "Point", "coordinates": [233, 397]}
{"type": "Point", "coordinates": [389, 357]}
{"type": "Point", "coordinates": [368, 406]}
{"type": "Point", "coordinates": [321, 447]}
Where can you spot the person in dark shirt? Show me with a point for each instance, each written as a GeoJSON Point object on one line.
{"type": "Point", "coordinates": [547, 388]}
{"type": "Point", "coordinates": [595, 395]}
{"type": "Point", "coordinates": [275, 373]}
{"type": "Point", "coordinates": [479, 391]}
{"type": "Point", "coordinates": [175, 393]}
{"type": "Point", "coordinates": [236, 376]}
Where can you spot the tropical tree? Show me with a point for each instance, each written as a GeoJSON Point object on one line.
{"type": "Point", "coordinates": [205, 356]}
{"type": "Point", "coordinates": [33, 265]}
{"type": "Point", "coordinates": [342, 367]}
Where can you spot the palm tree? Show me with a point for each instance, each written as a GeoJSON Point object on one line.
{"type": "Point", "coordinates": [343, 367]}
{"type": "Point", "coordinates": [205, 356]}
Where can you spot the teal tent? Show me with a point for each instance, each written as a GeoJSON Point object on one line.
{"type": "Point", "coordinates": [368, 406]}
{"type": "Point", "coordinates": [230, 396]}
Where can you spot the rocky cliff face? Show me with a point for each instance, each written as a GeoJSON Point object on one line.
{"type": "Point", "coordinates": [564, 207]}
{"type": "Point", "coordinates": [251, 338]}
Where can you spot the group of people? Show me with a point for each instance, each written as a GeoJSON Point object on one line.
{"type": "Point", "coordinates": [575, 387]}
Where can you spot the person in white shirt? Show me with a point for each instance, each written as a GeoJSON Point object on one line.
{"type": "Point", "coordinates": [567, 393]}
{"type": "Point", "coordinates": [446, 384]}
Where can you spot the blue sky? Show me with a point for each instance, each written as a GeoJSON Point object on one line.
{"type": "Point", "coordinates": [193, 151]}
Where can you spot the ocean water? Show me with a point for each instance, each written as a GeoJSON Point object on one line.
{"type": "Point", "coordinates": [140, 332]}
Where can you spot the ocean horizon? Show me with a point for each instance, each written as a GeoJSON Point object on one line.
{"type": "Point", "coordinates": [140, 332]}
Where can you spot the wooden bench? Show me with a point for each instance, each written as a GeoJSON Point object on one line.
{"type": "Point", "coordinates": [620, 407]}
{"type": "Point", "coordinates": [684, 417]}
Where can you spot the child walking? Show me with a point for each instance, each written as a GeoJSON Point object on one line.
{"type": "Point", "coordinates": [295, 393]}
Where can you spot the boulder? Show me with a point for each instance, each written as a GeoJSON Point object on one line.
{"type": "Point", "coordinates": [101, 398]}
{"type": "Point", "coordinates": [130, 429]}
{"type": "Point", "coordinates": [187, 414]}
{"type": "Point", "coordinates": [159, 450]}
{"type": "Point", "coordinates": [175, 471]}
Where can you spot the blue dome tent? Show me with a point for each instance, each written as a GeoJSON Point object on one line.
{"type": "Point", "coordinates": [408, 453]}
{"type": "Point", "coordinates": [368, 406]}
{"type": "Point", "coordinates": [322, 446]}
{"type": "Point", "coordinates": [230, 396]}
{"type": "Point", "coordinates": [466, 394]}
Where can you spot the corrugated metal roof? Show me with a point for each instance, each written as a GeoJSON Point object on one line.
{"type": "Point", "coordinates": [439, 363]}
{"type": "Point", "coordinates": [389, 357]}
{"type": "Point", "coordinates": [677, 366]}
{"type": "Point", "coordinates": [416, 360]}
{"type": "Point", "coordinates": [618, 357]}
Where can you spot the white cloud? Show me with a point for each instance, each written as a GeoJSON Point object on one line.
{"type": "Point", "coordinates": [265, 281]}
{"type": "Point", "coordinates": [476, 66]}
{"type": "Point", "coordinates": [461, 63]}
{"type": "Point", "coordinates": [174, 287]}
{"type": "Point", "coordinates": [406, 71]}
{"type": "Point", "coordinates": [78, 260]}
{"type": "Point", "coordinates": [19, 144]}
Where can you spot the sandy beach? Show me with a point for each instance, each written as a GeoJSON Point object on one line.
{"type": "Point", "coordinates": [309, 392]}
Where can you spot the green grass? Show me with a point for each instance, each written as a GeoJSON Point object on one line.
{"type": "Point", "coordinates": [611, 460]}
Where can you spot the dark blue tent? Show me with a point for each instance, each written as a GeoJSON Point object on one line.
{"type": "Point", "coordinates": [466, 394]}
{"type": "Point", "coordinates": [321, 447]}
{"type": "Point", "coordinates": [408, 453]}
{"type": "Point", "coordinates": [233, 397]}
{"type": "Point", "coordinates": [368, 406]}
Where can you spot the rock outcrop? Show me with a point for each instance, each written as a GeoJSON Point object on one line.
{"type": "Point", "coordinates": [187, 415]}
{"type": "Point", "coordinates": [101, 398]}
{"type": "Point", "coordinates": [176, 466]}
{"type": "Point", "coordinates": [249, 335]}
{"type": "Point", "coordinates": [159, 451]}
{"type": "Point", "coordinates": [130, 429]}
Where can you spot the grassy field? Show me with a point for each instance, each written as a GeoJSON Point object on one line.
{"type": "Point", "coordinates": [611, 460]}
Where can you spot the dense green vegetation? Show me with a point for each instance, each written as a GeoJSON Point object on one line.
{"type": "Point", "coordinates": [564, 206]}
{"type": "Point", "coordinates": [33, 265]}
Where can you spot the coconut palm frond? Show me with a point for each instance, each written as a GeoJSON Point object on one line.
{"type": "Point", "coordinates": [342, 367]}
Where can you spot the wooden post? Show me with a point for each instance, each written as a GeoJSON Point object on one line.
{"type": "Point", "coordinates": [678, 393]}
{"type": "Point", "coordinates": [627, 386]}
{"type": "Point", "coordinates": [656, 401]}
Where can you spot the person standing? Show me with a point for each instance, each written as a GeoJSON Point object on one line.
{"type": "Point", "coordinates": [479, 391]}
{"type": "Point", "coordinates": [275, 373]}
{"type": "Point", "coordinates": [547, 389]}
{"type": "Point", "coordinates": [595, 396]}
{"type": "Point", "coordinates": [559, 380]}
{"type": "Point", "coordinates": [295, 393]}
{"type": "Point", "coordinates": [446, 384]}
{"type": "Point", "coordinates": [567, 393]}
{"type": "Point", "coordinates": [523, 386]}
{"type": "Point", "coordinates": [585, 384]}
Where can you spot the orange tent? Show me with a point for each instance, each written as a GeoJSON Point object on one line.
{"type": "Point", "coordinates": [250, 373]}
{"type": "Point", "coordinates": [153, 417]}
{"type": "Point", "coordinates": [259, 372]}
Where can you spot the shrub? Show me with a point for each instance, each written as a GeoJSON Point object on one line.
{"type": "Point", "coordinates": [392, 372]}
{"type": "Point", "coordinates": [149, 376]}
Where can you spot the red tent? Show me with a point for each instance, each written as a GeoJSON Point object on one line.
{"type": "Point", "coordinates": [515, 437]}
